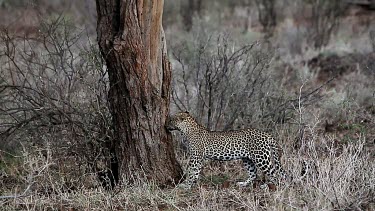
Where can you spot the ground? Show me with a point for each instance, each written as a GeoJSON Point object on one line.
{"type": "Point", "coordinates": [44, 166]}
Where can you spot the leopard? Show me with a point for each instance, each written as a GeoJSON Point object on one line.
{"type": "Point", "coordinates": [257, 150]}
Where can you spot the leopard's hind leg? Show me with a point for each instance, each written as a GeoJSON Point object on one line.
{"type": "Point", "coordinates": [251, 170]}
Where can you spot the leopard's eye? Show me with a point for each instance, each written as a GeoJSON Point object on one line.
{"type": "Point", "coordinates": [181, 118]}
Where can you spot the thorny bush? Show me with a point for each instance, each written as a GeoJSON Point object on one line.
{"type": "Point", "coordinates": [53, 89]}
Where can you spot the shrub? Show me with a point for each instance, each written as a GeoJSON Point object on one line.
{"type": "Point", "coordinates": [54, 93]}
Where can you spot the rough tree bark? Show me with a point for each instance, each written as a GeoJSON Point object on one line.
{"type": "Point", "coordinates": [132, 42]}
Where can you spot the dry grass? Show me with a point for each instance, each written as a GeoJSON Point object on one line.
{"type": "Point", "coordinates": [340, 177]}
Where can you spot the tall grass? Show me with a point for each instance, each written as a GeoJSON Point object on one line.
{"type": "Point", "coordinates": [338, 178]}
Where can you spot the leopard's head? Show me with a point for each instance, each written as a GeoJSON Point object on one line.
{"type": "Point", "coordinates": [182, 121]}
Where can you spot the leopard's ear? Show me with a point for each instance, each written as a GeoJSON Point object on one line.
{"type": "Point", "coordinates": [184, 115]}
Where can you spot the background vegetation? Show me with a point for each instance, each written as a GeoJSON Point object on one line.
{"type": "Point", "coordinates": [302, 70]}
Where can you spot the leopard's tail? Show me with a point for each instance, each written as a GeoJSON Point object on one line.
{"type": "Point", "coordinates": [306, 168]}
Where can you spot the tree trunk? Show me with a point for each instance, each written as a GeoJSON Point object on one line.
{"type": "Point", "coordinates": [189, 9]}
{"type": "Point", "coordinates": [132, 42]}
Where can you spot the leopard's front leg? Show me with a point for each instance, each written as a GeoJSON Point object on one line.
{"type": "Point", "coordinates": [194, 168]}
